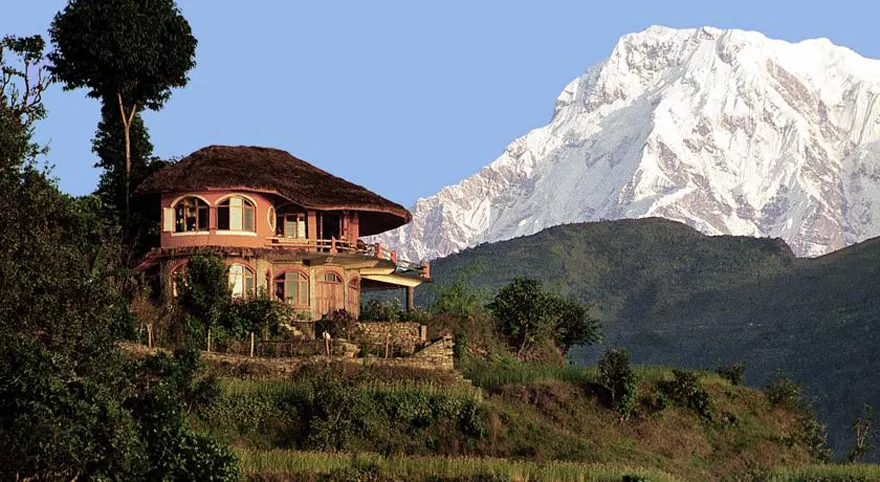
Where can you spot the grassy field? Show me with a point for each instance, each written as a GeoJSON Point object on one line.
{"type": "Point", "coordinates": [826, 473]}
{"type": "Point", "coordinates": [514, 421]}
{"type": "Point", "coordinates": [278, 464]}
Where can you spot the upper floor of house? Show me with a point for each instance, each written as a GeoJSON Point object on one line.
{"type": "Point", "coordinates": [258, 197]}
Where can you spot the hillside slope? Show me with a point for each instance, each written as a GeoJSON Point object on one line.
{"type": "Point", "coordinates": [671, 295]}
{"type": "Point", "coordinates": [727, 130]}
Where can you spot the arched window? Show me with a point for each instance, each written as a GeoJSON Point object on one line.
{"type": "Point", "coordinates": [241, 281]}
{"type": "Point", "coordinates": [191, 214]}
{"type": "Point", "coordinates": [293, 287]}
{"type": "Point", "coordinates": [236, 214]}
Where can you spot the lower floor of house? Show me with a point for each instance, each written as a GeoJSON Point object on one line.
{"type": "Point", "coordinates": [312, 285]}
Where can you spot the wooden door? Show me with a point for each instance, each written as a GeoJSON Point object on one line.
{"type": "Point", "coordinates": [354, 298]}
{"type": "Point", "coordinates": [330, 293]}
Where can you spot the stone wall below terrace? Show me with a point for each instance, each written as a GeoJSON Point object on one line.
{"type": "Point", "coordinates": [406, 335]}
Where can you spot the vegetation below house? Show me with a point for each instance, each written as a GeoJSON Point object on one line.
{"type": "Point", "coordinates": [673, 296]}
{"type": "Point", "coordinates": [558, 419]}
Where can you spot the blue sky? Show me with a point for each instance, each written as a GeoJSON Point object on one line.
{"type": "Point", "coordinates": [403, 97]}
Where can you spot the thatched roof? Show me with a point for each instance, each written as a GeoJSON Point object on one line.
{"type": "Point", "coordinates": [270, 170]}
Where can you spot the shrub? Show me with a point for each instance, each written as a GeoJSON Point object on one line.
{"type": "Point", "coordinates": [732, 373]}
{"type": "Point", "coordinates": [685, 391]}
{"type": "Point", "coordinates": [382, 310]}
{"type": "Point", "coordinates": [256, 315]}
{"type": "Point", "coordinates": [784, 393]}
{"type": "Point", "coordinates": [621, 382]}
{"type": "Point", "coordinates": [531, 316]}
{"type": "Point", "coordinates": [787, 394]}
{"type": "Point", "coordinates": [339, 324]}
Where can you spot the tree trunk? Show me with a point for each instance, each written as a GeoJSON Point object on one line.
{"type": "Point", "coordinates": [126, 125]}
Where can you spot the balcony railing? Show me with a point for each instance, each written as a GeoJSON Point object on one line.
{"type": "Point", "coordinates": [333, 245]}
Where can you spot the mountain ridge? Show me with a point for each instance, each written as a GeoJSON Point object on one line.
{"type": "Point", "coordinates": [726, 130]}
{"type": "Point", "coordinates": [673, 296]}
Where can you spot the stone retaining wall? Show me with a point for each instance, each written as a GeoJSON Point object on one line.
{"type": "Point", "coordinates": [407, 335]}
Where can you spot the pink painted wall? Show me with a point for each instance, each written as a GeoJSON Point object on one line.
{"type": "Point", "coordinates": [211, 237]}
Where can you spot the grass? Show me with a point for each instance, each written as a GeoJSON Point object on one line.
{"type": "Point", "coordinates": [261, 464]}
{"type": "Point", "coordinates": [826, 473]}
{"type": "Point", "coordinates": [492, 375]}
{"type": "Point", "coordinates": [235, 387]}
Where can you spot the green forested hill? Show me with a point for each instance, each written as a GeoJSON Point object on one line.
{"type": "Point", "coordinates": [671, 295]}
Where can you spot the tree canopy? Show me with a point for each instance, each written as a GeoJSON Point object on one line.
{"type": "Point", "coordinates": [530, 315]}
{"type": "Point", "coordinates": [137, 49]}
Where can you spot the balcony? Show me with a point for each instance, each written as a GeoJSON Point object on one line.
{"type": "Point", "coordinates": [358, 248]}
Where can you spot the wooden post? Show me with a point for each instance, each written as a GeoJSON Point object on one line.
{"type": "Point", "coordinates": [150, 335]}
{"type": "Point", "coordinates": [387, 345]}
{"type": "Point", "coordinates": [410, 298]}
{"type": "Point", "coordinates": [327, 343]}
{"type": "Point", "coordinates": [209, 341]}
{"type": "Point", "coordinates": [252, 343]}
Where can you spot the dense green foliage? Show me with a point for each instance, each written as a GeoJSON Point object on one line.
{"type": "Point", "coordinates": [530, 316]}
{"type": "Point", "coordinates": [621, 382]}
{"type": "Point", "coordinates": [332, 408]}
{"type": "Point", "coordinates": [673, 296]}
{"type": "Point", "coordinates": [70, 406]}
{"type": "Point", "coordinates": [522, 411]}
{"type": "Point", "coordinates": [685, 391]}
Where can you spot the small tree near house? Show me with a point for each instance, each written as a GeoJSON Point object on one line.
{"type": "Point", "coordinates": [204, 289]}
{"type": "Point", "coordinates": [529, 315]}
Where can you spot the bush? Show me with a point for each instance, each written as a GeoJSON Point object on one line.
{"type": "Point", "coordinates": [531, 316]}
{"type": "Point", "coordinates": [787, 394]}
{"type": "Point", "coordinates": [732, 373]}
{"type": "Point", "coordinates": [256, 315]}
{"type": "Point", "coordinates": [339, 324]}
{"type": "Point", "coordinates": [382, 310]}
{"type": "Point", "coordinates": [685, 391]}
{"type": "Point", "coordinates": [621, 382]}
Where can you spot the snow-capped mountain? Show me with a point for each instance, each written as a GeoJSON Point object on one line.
{"type": "Point", "coordinates": [725, 130]}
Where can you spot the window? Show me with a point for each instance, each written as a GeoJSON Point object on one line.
{"type": "Point", "coordinates": [236, 214]}
{"type": "Point", "coordinates": [292, 226]}
{"type": "Point", "coordinates": [241, 281]}
{"type": "Point", "coordinates": [332, 278]}
{"type": "Point", "coordinates": [272, 218]}
{"type": "Point", "coordinates": [293, 287]}
{"type": "Point", "coordinates": [177, 278]}
{"type": "Point", "coordinates": [190, 214]}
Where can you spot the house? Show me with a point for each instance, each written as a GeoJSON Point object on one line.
{"type": "Point", "coordinates": [283, 226]}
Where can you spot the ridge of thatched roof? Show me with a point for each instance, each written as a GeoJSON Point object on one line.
{"type": "Point", "coordinates": [265, 169]}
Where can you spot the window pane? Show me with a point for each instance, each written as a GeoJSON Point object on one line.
{"type": "Point", "coordinates": [304, 292]}
{"type": "Point", "coordinates": [223, 217]}
{"type": "Point", "coordinates": [248, 224]}
{"type": "Point", "coordinates": [235, 218]}
{"type": "Point", "coordinates": [290, 230]}
{"type": "Point", "coordinates": [248, 283]}
{"type": "Point", "coordinates": [301, 228]}
{"type": "Point", "coordinates": [236, 280]}
{"type": "Point", "coordinates": [203, 217]}
{"type": "Point", "coordinates": [179, 218]}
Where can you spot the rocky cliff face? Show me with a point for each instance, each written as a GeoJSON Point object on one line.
{"type": "Point", "coordinates": [725, 130]}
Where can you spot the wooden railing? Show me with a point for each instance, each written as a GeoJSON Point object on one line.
{"type": "Point", "coordinates": [334, 245]}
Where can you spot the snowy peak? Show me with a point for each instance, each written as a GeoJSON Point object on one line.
{"type": "Point", "coordinates": [725, 130]}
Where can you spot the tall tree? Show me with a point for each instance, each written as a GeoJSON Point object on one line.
{"type": "Point", "coordinates": [128, 53]}
{"type": "Point", "coordinates": [109, 145]}
{"type": "Point", "coordinates": [71, 407]}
